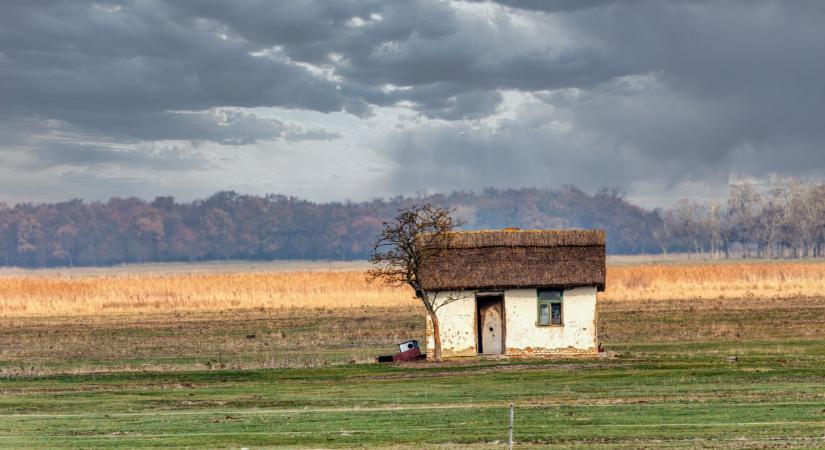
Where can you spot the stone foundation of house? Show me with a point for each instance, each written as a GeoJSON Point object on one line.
{"type": "Point", "coordinates": [529, 352]}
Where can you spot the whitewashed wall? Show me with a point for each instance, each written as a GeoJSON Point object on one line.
{"type": "Point", "coordinates": [523, 335]}
{"type": "Point", "coordinates": [458, 325]}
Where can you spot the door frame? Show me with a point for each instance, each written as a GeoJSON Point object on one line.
{"type": "Point", "coordinates": [487, 295]}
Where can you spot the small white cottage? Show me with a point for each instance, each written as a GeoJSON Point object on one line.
{"type": "Point", "coordinates": [517, 292]}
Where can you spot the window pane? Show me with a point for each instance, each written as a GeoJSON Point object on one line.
{"type": "Point", "coordinates": [556, 316]}
{"type": "Point", "coordinates": [544, 314]}
{"type": "Point", "coordinates": [549, 295]}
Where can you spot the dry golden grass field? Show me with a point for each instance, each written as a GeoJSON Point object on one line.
{"type": "Point", "coordinates": [177, 288]}
{"type": "Point", "coordinates": [177, 316]}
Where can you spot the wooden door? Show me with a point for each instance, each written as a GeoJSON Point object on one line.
{"type": "Point", "coordinates": [491, 326]}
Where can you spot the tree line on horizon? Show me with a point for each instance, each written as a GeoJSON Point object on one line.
{"type": "Point", "coordinates": [786, 221]}
{"type": "Point", "coordinates": [783, 220]}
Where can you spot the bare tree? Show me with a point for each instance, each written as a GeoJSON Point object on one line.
{"type": "Point", "coordinates": [816, 221]}
{"type": "Point", "coordinates": [795, 217]}
{"type": "Point", "coordinates": [689, 225]}
{"type": "Point", "coordinates": [715, 229]}
{"type": "Point", "coordinates": [405, 245]}
{"type": "Point", "coordinates": [744, 208]}
{"type": "Point", "coordinates": [778, 226]}
{"type": "Point", "coordinates": [6, 225]}
{"type": "Point", "coordinates": [664, 234]}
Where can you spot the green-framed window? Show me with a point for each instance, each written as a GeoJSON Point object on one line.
{"type": "Point", "coordinates": [550, 302]}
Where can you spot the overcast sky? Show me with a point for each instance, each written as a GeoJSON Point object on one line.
{"type": "Point", "coordinates": [335, 100]}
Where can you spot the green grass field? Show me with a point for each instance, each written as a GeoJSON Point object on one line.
{"type": "Point", "coordinates": [669, 386]}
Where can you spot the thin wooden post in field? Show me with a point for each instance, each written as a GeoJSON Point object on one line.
{"type": "Point", "coordinates": [510, 438]}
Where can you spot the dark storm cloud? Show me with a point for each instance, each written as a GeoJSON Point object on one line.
{"type": "Point", "coordinates": [223, 126]}
{"type": "Point", "coordinates": [703, 91]}
{"type": "Point", "coordinates": [90, 155]}
{"type": "Point", "coordinates": [533, 149]}
{"type": "Point", "coordinates": [734, 76]}
{"type": "Point", "coordinates": [616, 92]}
{"type": "Point", "coordinates": [122, 67]}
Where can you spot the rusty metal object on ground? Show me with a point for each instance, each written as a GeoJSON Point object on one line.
{"type": "Point", "coordinates": [409, 351]}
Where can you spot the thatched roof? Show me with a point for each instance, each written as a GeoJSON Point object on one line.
{"type": "Point", "coordinates": [510, 258]}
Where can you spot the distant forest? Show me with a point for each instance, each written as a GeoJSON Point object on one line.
{"type": "Point", "coordinates": [787, 220]}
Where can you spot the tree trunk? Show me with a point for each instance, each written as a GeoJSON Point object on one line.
{"type": "Point", "coordinates": [436, 335]}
